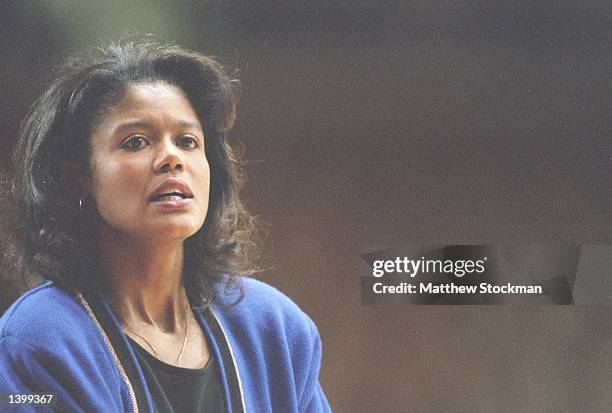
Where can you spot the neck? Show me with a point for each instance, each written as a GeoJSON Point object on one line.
{"type": "Point", "coordinates": [144, 280]}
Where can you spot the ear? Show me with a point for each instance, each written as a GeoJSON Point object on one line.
{"type": "Point", "coordinates": [73, 179]}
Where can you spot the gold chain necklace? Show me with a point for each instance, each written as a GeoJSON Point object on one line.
{"type": "Point", "coordinates": [180, 355]}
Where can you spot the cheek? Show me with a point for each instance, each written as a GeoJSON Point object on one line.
{"type": "Point", "coordinates": [206, 179]}
{"type": "Point", "coordinates": [203, 182]}
{"type": "Point", "coordinates": [115, 186]}
{"type": "Point", "coordinates": [102, 191]}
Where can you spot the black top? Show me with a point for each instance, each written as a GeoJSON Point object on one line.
{"type": "Point", "coordinates": [181, 390]}
{"type": "Point", "coordinates": [108, 324]}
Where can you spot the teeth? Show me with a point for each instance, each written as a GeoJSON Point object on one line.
{"type": "Point", "coordinates": [176, 191]}
{"type": "Point", "coordinates": [170, 197]}
{"type": "Point", "coordinates": [172, 194]}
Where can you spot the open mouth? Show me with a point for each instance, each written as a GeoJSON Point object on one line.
{"type": "Point", "coordinates": [171, 196]}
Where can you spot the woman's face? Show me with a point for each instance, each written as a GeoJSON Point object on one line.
{"type": "Point", "coordinates": [150, 175]}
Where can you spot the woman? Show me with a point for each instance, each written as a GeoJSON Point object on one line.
{"type": "Point", "coordinates": [130, 208]}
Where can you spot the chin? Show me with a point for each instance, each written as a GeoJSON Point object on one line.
{"type": "Point", "coordinates": [169, 228]}
{"type": "Point", "coordinates": [173, 231]}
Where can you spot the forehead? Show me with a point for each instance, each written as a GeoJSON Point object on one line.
{"type": "Point", "coordinates": [152, 101]}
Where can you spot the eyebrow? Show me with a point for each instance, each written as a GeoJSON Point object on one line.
{"type": "Point", "coordinates": [190, 125]}
{"type": "Point", "coordinates": [132, 125]}
{"type": "Point", "coordinates": [148, 125]}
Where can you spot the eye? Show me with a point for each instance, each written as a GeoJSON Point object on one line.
{"type": "Point", "coordinates": [135, 142]}
{"type": "Point", "coordinates": [189, 142]}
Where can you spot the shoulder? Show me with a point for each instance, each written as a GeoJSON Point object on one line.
{"type": "Point", "coordinates": [262, 305]}
{"type": "Point", "coordinates": [45, 315]}
{"type": "Point", "coordinates": [273, 341]}
{"type": "Point", "coordinates": [267, 318]}
{"type": "Point", "coordinates": [48, 343]}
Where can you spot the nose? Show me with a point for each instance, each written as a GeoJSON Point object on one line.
{"type": "Point", "coordinates": [168, 158]}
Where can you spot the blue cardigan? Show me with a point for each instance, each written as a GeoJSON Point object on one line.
{"type": "Point", "coordinates": [267, 350]}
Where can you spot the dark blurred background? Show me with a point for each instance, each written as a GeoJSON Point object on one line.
{"type": "Point", "coordinates": [376, 124]}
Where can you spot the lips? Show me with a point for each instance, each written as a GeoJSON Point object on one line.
{"type": "Point", "coordinates": [171, 190]}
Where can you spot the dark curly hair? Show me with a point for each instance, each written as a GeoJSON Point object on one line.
{"type": "Point", "coordinates": [59, 239]}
